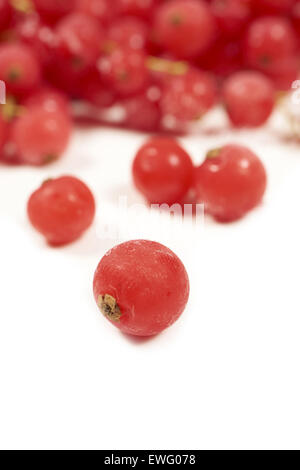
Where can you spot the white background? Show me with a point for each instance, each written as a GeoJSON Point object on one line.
{"type": "Point", "coordinates": [225, 376]}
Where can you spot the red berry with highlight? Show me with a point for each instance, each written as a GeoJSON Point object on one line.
{"type": "Point", "coordinates": [184, 27]}
{"type": "Point", "coordinates": [189, 96]}
{"type": "Point", "coordinates": [61, 209]}
{"type": "Point", "coordinates": [141, 287]}
{"type": "Point", "coordinates": [231, 181]}
{"type": "Point", "coordinates": [269, 42]}
{"type": "Point", "coordinates": [125, 70]}
{"type": "Point", "coordinates": [19, 68]}
{"type": "Point", "coordinates": [163, 171]}
{"type": "Point", "coordinates": [41, 136]}
{"type": "Point", "coordinates": [249, 98]}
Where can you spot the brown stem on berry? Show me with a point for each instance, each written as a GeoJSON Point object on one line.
{"type": "Point", "coordinates": [109, 307]}
{"type": "Point", "coordinates": [213, 153]}
{"type": "Point", "coordinates": [171, 67]}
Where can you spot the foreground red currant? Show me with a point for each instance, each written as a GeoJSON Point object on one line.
{"type": "Point", "coordinates": [249, 98]}
{"type": "Point", "coordinates": [141, 286]}
{"type": "Point", "coordinates": [19, 68]}
{"type": "Point", "coordinates": [184, 27]}
{"type": "Point", "coordinates": [162, 171]}
{"type": "Point", "coordinates": [61, 209]}
{"type": "Point", "coordinates": [41, 136]}
{"type": "Point", "coordinates": [231, 181]}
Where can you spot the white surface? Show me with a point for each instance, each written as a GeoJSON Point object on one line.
{"type": "Point", "coordinates": [226, 375]}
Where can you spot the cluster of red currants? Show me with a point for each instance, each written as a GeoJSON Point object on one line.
{"type": "Point", "coordinates": [164, 63]}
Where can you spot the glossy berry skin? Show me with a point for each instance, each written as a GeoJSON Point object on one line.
{"type": "Point", "coordinates": [19, 68]}
{"type": "Point", "coordinates": [231, 15]}
{"type": "Point", "coordinates": [41, 136]}
{"type": "Point", "coordinates": [124, 70]}
{"type": "Point", "coordinates": [185, 28]}
{"type": "Point", "coordinates": [231, 181]}
{"type": "Point", "coordinates": [249, 98]}
{"type": "Point", "coordinates": [268, 43]}
{"type": "Point", "coordinates": [162, 171]}
{"type": "Point", "coordinates": [141, 287]}
{"type": "Point", "coordinates": [61, 209]}
{"type": "Point", "coordinates": [189, 96]}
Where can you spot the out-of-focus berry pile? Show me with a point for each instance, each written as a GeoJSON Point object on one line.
{"type": "Point", "coordinates": [153, 65]}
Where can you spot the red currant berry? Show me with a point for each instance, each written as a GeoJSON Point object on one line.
{"type": "Point", "coordinates": [19, 68]}
{"type": "Point", "coordinates": [49, 99]}
{"type": "Point", "coordinates": [141, 113]}
{"type": "Point", "coordinates": [102, 10]}
{"type": "Point", "coordinates": [124, 70]}
{"type": "Point", "coordinates": [189, 96]}
{"type": "Point", "coordinates": [184, 27]}
{"type": "Point", "coordinates": [95, 91]}
{"type": "Point", "coordinates": [142, 8]}
{"type": "Point", "coordinates": [61, 210]}
{"type": "Point", "coordinates": [162, 171]}
{"type": "Point", "coordinates": [128, 32]}
{"type": "Point", "coordinates": [269, 41]}
{"type": "Point", "coordinates": [272, 6]}
{"type": "Point", "coordinates": [52, 10]}
{"type": "Point", "coordinates": [231, 181]}
{"type": "Point", "coordinates": [79, 40]}
{"type": "Point", "coordinates": [249, 98]}
{"type": "Point", "coordinates": [41, 136]}
{"type": "Point", "coordinates": [141, 287]}
{"type": "Point", "coordinates": [38, 36]}
{"type": "Point", "coordinates": [231, 15]}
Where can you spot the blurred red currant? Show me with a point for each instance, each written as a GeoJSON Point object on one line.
{"type": "Point", "coordinates": [189, 96]}
{"type": "Point", "coordinates": [269, 41]}
{"type": "Point", "coordinates": [79, 40]}
{"type": "Point", "coordinates": [128, 32]}
{"type": "Point", "coordinates": [61, 209]}
{"type": "Point", "coordinates": [141, 113]}
{"type": "Point", "coordinates": [125, 70]}
{"type": "Point", "coordinates": [49, 99]}
{"type": "Point", "coordinates": [95, 91]}
{"type": "Point", "coordinates": [231, 15]}
{"type": "Point", "coordinates": [249, 98]}
{"type": "Point", "coordinates": [162, 171]}
{"type": "Point", "coordinates": [38, 36]}
{"type": "Point", "coordinates": [19, 68]}
{"type": "Point", "coordinates": [145, 297]}
{"type": "Point", "coordinates": [184, 27]}
{"type": "Point", "coordinates": [231, 181]}
{"type": "Point", "coordinates": [41, 136]}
